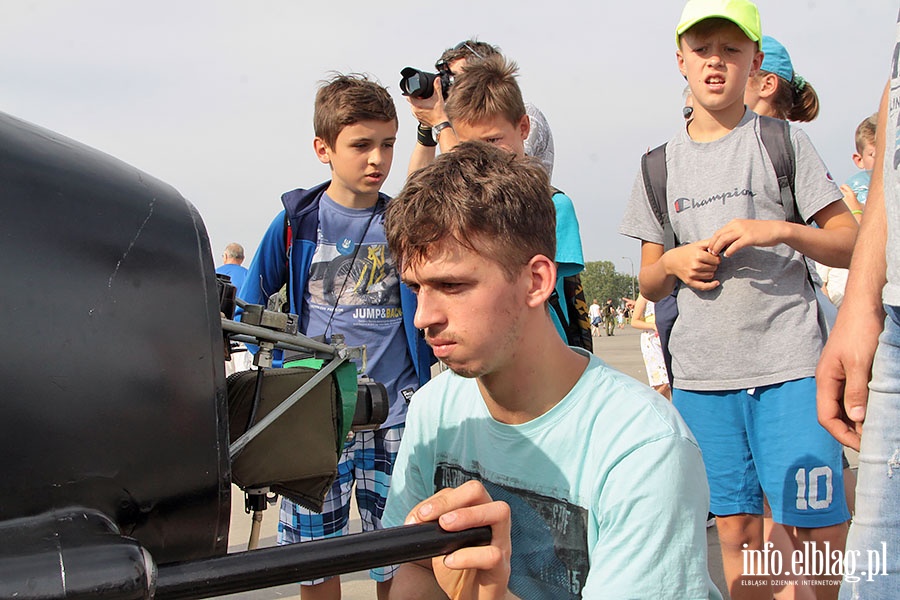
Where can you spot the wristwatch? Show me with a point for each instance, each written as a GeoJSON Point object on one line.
{"type": "Point", "coordinates": [437, 129]}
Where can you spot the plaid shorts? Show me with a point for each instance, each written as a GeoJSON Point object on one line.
{"type": "Point", "coordinates": [367, 459]}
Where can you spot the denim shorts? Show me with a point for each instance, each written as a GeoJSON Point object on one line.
{"type": "Point", "coordinates": [874, 537]}
{"type": "Point", "coordinates": [768, 439]}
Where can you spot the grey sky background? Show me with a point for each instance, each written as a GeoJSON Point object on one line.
{"type": "Point", "coordinates": [216, 98]}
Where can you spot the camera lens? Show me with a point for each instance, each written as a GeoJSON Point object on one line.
{"type": "Point", "coordinates": [416, 83]}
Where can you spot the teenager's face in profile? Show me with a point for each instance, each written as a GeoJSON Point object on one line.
{"type": "Point", "coordinates": [497, 131]}
{"type": "Point", "coordinates": [472, 314]}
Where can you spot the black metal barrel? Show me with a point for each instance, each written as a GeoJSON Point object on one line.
{"type": "Point", "coordinates": [112, 376]}
{"type": "Point", "coordinates": [114, 428]}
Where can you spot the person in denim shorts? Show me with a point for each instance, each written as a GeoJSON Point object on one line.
{"type": "Point", "coordinates": [858, 376]}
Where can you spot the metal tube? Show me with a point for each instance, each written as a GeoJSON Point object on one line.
{"type": "Point", "coordinates": [251, 339]}
{"type": "Point", "coordinates": [255, 525]}
{"type": "Point", "coordinates": [310, 560]}
{"type": "Point", "coordinates": [297, 342]}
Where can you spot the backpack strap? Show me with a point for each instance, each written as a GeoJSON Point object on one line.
{"type": "Point", "coordinates": [572, 309]}
{"type": "Point", "coordinates": [655, 174]}
{"type": "Point", "coordinates": [776, 138]}
{"type": "Point", "coordinates": [298, 205]}
{"type": "Point", "coordinates": [288, 243]}
{"type": "Point", "coordinates": [288, 238]}
{"type": "Point", "coordinates": [554, 303]}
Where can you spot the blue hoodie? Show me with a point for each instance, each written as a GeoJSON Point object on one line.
{"type": "Point", "coordinates": [267, 272]}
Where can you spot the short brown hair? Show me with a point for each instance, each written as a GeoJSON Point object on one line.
{"type": "Point", "coordinates": [484, 90]}
{"type": "Point", "coordinates": [467, 49]}
{"type": "Point", "coordinates": [348, 99]}
{"type": "Point", "coordinates": [865, 132]}
{"type": "Point", "coordinates": [487, 199]}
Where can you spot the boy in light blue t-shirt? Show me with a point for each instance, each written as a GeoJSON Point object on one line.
{"type": "Point", "coordinates": [864, 159]}
{"type": "Point", "coordinates": [591, 482]}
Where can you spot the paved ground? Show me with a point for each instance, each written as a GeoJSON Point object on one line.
{"type": "Point", "coordinates": [620, 351]}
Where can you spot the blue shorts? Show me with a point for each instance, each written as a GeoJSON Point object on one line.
{"type": "Point", "coordinates": [367, 459]}
{"type": "Point", "coordinates": [768, 440]}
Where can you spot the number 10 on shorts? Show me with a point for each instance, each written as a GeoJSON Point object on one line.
{"type": "Point", "coordinates": [809, 489]}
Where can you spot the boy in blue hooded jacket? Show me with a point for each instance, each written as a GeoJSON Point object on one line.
{"type": "Point", "coordinates": [328, 247]}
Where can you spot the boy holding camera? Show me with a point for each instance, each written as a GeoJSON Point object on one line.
{"type": "Point", "coordinates": [429, 111]}
{"type": "Point", "coordinates": [324, 237]}
{"type": "Point", "coordinates": [487, 106]}
{"type": "Point", "coordinates": [747, 338]}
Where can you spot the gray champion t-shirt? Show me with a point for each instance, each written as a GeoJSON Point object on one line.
{"type": "Point", "coordinates": [759, 327]}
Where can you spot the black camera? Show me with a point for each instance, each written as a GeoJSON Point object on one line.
{"type": "Point", "coordinates": [419, 84]}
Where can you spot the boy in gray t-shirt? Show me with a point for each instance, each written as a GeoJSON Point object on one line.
{"type": "Point", "coordinates": [746, 341]}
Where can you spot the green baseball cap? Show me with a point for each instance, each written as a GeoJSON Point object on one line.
{"type": "Point", "coordinates": [742, 13]}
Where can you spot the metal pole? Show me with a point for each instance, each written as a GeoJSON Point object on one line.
{"type": "Point", "coordinates": [247, 333]}
{"type": "Point", "coordinates": [310, 560]}
{"type": "Point", "coordinates": [255, 525]}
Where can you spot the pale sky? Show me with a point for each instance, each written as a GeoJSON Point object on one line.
{"type": "Point", "coordinates": [216, 97]}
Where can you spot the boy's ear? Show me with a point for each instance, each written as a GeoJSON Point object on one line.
{"type": "Point", "coordinates": [524, 126]}
{"type": "Point", "coordinates": [323, 152]}
{"type": "Point", "coordinates": [756, 65]}
{"type": "Point", "coordinates": [858, 159]}
{"type": "Point", "coordinates": [768, 85]}
{"type": "Point", "coordinates": [542, 281]}
{"type": "Point", "coordinates": [680, 58]}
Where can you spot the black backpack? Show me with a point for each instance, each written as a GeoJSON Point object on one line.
{"type": "Point", "coordinates": [574, 313]}
{"type": "Point", "coordinates": [776, 137]}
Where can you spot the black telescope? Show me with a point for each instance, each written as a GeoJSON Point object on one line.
{"type": "Point", "coordinates": [118, 448]}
